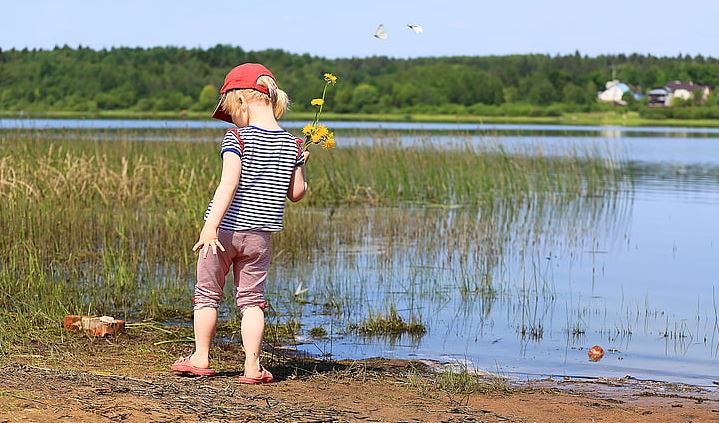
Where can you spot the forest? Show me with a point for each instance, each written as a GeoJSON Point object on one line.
{"type": "Point", "coordinates": [175, 79]}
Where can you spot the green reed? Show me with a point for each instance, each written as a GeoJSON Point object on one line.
{"type": "Point", "coordinates": [389, 324]}
{"type": "Point", "coordinates": [96, 222]}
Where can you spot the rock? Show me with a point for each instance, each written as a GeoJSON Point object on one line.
{"type": "Point", "coordinates": [96, 326]}
{"type": "Point", "coordinates": [595, 353]}
{"type": "Point", "coordinates": [72, 323]}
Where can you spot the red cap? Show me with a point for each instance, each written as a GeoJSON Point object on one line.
{"type": "Point", "coordinates": [243, 76]}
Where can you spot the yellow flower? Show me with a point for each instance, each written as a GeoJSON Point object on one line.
{"type": "Point", "coordinates": [330, 142]}
{"type": "Point", "coordinates": [308, 129]}
{"type": "Point", "coordinates": [331, 79]}
{"type": "Point", "coordinates": [317, 102]}
{"type": "Point", "coordinates": [322, 131]}
{"type": "Point", "coordinates": [315, 138]}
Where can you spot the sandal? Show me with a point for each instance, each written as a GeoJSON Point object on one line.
{"type": "Point", "coordinates": [265, 377]}
{"type": "Point", "coordinates": [182, 365]}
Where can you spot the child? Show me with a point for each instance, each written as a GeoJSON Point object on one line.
{"type": "Point", "coordinates": [261, 165]}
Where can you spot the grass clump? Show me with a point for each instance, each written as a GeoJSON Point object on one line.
{"type": "Point", "coordinates": [457, 383]}
{"type": "Point", "coordinates": [318, 332]}
{"type": "Point", "coordinates": [390, 324]}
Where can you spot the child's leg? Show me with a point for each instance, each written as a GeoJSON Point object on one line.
{"type": "Point", "coordinates": [205, 323]}
{"type": "Point", "coordinates": [253, 328]}
{"type": "Point", "coordinates": [250, 272]}
{"type": "Point", "coordinates": [211, 272]}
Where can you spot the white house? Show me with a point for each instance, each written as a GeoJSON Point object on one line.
{"type": "Point", "coordinates": [614, 92]}
{"type": "Point", "coordinates": [687, 90]}
{"type": "Point", "coordinates": [663, 96]}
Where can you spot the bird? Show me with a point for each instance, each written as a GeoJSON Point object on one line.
{"type": "Point", "coordinates": [380, 33]}
{"type": "Point", "coordinates": [299, 290]}
{"type": "Point", "coordinates": [416, 28]}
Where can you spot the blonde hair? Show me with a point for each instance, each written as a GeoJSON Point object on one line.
{"type": "Point", "coordinates": [231, 101]}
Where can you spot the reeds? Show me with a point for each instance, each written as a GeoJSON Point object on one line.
{"type": "Point", "coordinates": [389, 324]}
{"type": "Point", "coordinates": [96, 222]}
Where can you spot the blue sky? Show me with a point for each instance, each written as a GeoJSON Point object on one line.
{"type": "Point", "coordinates": [344, 29]}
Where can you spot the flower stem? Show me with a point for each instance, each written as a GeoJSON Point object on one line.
{"type": "Point", "coordinates": [315, 121]}
{"type": "Point", "coordinates": [319, 111]}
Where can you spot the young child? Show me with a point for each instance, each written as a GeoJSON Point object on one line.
{"type": "Point", "coordinates": [262, 164]}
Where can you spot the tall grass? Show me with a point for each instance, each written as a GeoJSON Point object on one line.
{"type": "Point", "coordinates": [95, 222]}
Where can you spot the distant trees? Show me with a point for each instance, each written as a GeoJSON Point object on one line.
{"type": "Point", "coordinates": [170, 78]}
{"type": "Point", "coordinates": [208, 98]}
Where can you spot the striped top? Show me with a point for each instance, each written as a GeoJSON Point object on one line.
{"type": "Point", "coordinates": [268, 159]}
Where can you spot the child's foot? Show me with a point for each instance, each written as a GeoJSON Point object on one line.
{"type": "Point", "coordinates": [184, 365]}
{"type": "Point", "coordinates": [262, 376]}
{"type": "Point", "coordinates": [202, 363]}
{"type": "Point", "coordinates": [253, 371]}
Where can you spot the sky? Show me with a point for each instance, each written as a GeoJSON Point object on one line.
{"type": "Point", "coordinates": [344, 28]}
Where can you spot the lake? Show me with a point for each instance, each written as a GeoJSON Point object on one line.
{"type": "Point", "coordinates": [526, 287]}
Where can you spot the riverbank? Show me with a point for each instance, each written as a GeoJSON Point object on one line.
{"type": "Point", "coordinates": [126, 378]}
{"type": "Point", "coordinates": [595, 119]}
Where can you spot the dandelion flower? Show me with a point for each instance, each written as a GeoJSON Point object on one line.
{"type": "Point", "coordinates": [317, 102]}
{"type": "Point", "coordinates": [330, 142]}
{"type": "Point", "coordinates": [331, 79]}
{"type": "Point", "coordinates": [308, 129]}
{"type": "Point", "coordinates": [315, 138]}
{"type": "Point", "coordinates": [322, 131]}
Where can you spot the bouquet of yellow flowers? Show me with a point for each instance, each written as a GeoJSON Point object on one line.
{"type": "Point", "coordinates": [314, 132]}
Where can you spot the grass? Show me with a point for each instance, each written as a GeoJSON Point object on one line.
{"type": "Point", "coordinates": [93, 222]}
{"type": "Point", "coordinates": [389, 324]}
{"type": "Point", "coordinates": [457, 383]}
{"type": "Point", "coordinates": [318, 332]}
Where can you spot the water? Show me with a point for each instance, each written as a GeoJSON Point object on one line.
{"type": "Point", "coordinates": [604, 131]}
{"type": "Point", "coordinates": [525, 287]}
{"type": "Point", "coordinates": [634, 272]}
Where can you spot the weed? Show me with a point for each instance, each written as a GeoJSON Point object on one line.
{"type": "Point", "coordinates": [390, 324]}
{"type": "Point", "coordinates": [318, 332]}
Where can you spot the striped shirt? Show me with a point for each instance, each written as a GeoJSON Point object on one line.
{"type": "Point", "coordinates": [269, 158]}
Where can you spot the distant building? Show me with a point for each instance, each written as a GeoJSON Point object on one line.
{"type": "Point", "coordinates": [660, 97]}
{"type": "Point", "coordinates": [614, 93]}
{"type": "Point", "coordinates": [664, 96]}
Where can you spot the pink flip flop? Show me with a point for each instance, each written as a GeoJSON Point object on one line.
{"type": "Point", "coordinates": [265, 377]}
{"type": "Point", "coordinates": [183, 365]}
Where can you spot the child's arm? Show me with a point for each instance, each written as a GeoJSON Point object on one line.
{"type": "Point", "coordinates": [298, 185]}
{"type": "Point", "coordinates": [231, 169]}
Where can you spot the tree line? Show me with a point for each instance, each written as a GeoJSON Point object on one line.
{"type": "Point", "coordinates": [174, 79]}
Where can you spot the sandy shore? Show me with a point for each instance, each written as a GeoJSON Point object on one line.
{"type": "Point", "coordinates": [127, 379]}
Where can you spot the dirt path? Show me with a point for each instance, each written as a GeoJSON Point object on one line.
{"type": "Point", "coordinates": [126, 379]}
{"type": "Point", "coordinates": [40, 394]}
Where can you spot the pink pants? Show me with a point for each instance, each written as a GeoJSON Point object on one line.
{"type": "Point", "coordinates": [248, 252]}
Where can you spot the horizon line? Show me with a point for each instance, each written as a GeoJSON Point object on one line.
{"type": "Point", "coordinates": [168, 46]}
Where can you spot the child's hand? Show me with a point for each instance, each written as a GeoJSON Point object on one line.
{"type": "Point", "coordinates": [208, 239]}
{"type": "Point", "coordinates": [306, 154]}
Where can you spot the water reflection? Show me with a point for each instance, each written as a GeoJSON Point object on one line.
{"type": "Point", "coordinates": [523, 285]}
{"type": "Point", "coordinates": [527, 285]}
{"type": "Point", "coordinates": [470, 274]}
{"type": "Point", "coordinates": [364, 126]}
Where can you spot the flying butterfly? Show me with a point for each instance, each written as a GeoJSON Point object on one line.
{"type": "Point", "coordinates": [299, 290]}
{"type": "Point", "coordinates": [416, 28]}
{"type": "Point", "coordinates": [380, 33]}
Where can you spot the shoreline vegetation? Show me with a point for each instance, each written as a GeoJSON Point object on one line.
{"type": "Point", "coordinates": [606, 118]}
{"type": "Point", "coordinates": [49, 185]}
{"type": "Point", "coordinates": [171, 83]}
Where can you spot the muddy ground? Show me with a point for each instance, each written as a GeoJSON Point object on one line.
{"type": "Point", "coordinates": [127, 379]}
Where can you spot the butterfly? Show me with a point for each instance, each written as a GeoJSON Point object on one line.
{"type": "Point", "coordinates": [380, 33]}
{"type": "Point", "coordinates": [416, 28]}
{"type": "Point", "coordinates": [299, 290]}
